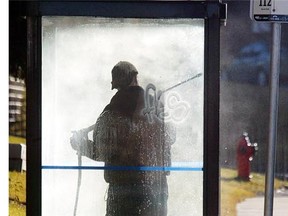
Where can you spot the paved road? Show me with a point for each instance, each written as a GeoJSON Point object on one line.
{"type": "Point", "coordinates": [255, 206]}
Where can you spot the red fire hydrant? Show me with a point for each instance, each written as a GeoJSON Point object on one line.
{"type": "Point", "coordinates": [245, 153]}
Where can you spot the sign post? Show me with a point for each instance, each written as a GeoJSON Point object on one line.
{"type": "Point", "coordinates": [276, 12]}
{"type": "Point", "coordinates": [274, 94]}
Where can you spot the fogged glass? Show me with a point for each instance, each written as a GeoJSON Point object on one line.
{"type": "Point", "coordinates": [133, 150]}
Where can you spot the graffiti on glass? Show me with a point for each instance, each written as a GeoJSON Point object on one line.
{"type": "Point", "coordinates": [176, 109]}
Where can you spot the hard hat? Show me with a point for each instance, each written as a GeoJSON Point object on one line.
{"type": "Point", "coordinates": [122, 74]}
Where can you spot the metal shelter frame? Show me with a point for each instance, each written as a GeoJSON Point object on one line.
{"type": "Point", "coordinates": [213, 12]}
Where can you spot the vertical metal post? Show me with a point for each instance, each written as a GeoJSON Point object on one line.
{"type": "Point", "coordinates": [211, 119]}
{"type": "Point", "coordinates": [284, 158]}
{"type": "Point", "coordinates": [274, 95]}
{"type": "Point", "coordinates": [33, 83]}
{"type": "Point", "coordinates": [285, 149]}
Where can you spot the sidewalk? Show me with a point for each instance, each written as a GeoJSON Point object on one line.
{"type": "Point", "coordinates": [255, 206]}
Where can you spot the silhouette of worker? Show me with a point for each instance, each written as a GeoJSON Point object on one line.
{"type": "Point", "coordinates": [132, 148]}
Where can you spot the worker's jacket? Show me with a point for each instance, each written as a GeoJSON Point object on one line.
{"type": "Point", "coordinates": [134, 149]}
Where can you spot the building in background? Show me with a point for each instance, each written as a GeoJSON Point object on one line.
{"type": "Point", "coordinates": [17, 107]}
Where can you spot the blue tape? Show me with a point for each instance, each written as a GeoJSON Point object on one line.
{"type": "Point", "coordinates": [119, 168]}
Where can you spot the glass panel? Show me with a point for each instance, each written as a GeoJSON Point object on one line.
{"type": "Point", "coordinates": [149, 128]}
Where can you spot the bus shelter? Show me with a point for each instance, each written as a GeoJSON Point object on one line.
{"type": "Point", "coordinates": [72, 48]}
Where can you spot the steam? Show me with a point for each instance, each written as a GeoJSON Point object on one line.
{"type": "Point", "coordinates": [78, 54]}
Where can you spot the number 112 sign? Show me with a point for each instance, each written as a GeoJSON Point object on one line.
{"type": "Point", "coordinates": [269, 10]}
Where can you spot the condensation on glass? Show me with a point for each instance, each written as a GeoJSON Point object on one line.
{"type": "Point", "coordinates": [78, 54]}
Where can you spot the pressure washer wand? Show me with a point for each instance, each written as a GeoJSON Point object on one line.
{"type": "Point", "coordinates": [194, 77]}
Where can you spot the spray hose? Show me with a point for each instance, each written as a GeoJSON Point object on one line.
{"type": "Point", "coordinates": [78, 183]}
{"type": "Point", "coordinates": [81, 137]}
